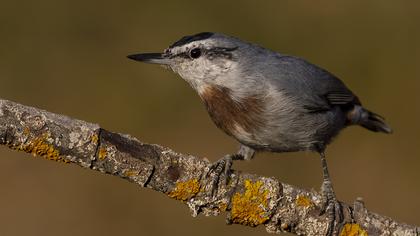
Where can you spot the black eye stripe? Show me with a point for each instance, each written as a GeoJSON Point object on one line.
{"type": "Point", "coordinates": [217, 51]}
{"type": "Point", "coordinates": [223, 52]}
{"type": "Point", "coordinates": [182, 55]}
{"type": "Point", "coordinates": [222, 49]}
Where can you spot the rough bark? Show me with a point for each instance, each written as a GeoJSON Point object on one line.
{"type": "Point", "coordinates": [247, 199]}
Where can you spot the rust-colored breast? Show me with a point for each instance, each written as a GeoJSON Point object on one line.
{"type": "Point", "coordinates": [229, 114]}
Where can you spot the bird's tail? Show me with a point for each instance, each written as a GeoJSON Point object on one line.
{"type": "Point", "coordinates": [369, 120]}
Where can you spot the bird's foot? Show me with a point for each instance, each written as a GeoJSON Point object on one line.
{"type": "Point", "coordinates": [219, 172]}
{"type": "Point", "coordinates": [332, 208]}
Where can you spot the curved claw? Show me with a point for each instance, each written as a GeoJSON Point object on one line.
{"type": "Point", "coordinates": [219, 173]}
{"type": "Point", "coordinates": [332, 207]}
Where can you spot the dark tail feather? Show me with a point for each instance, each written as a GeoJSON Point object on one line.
{"type": "Point", "coordinates": [374, 122]}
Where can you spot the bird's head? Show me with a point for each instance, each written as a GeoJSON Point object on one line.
{"type": "Point", "coordinates": [201, 59]}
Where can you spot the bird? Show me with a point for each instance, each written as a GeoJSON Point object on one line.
{"type": "Point", "coordinates": [266, 100]}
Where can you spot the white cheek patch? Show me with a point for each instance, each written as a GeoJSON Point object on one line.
{"type": "Point", "coordinates": [217, 67]}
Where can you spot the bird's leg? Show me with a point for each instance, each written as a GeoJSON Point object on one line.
{"type": "Point", "coordinates": [246, 152]}
{"type": "Point", "coordinates": [220, 170]}
{"type": "Point", "coordinates": [331, 206]}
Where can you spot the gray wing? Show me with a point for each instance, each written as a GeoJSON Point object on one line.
{"type": "Point", "coordinates": [316, 87]}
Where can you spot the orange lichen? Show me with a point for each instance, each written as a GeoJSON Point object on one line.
{"type": "Point", "coordinates": [40, 147]}
{"type": "Point", "coordinates": [249, 208]}
{"type": "Point", "coordinates": [303, 201]}
{"type": "Point", "coordinates": [353, 230]}
{"type": "Point", "coordinates": [185, 190]}
{"type": "Point", "coordinates": [102, 153]}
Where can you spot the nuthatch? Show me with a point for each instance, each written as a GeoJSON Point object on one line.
{"type": "Point", "coordinates": [266, 100]}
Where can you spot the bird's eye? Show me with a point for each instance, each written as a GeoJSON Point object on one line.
{"type": "Point", "coordinates": [195, 53]}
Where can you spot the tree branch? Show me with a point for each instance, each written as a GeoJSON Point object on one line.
{"type": "Point", "coordinates": [248, 199]}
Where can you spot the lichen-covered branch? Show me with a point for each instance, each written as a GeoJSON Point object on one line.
{"type": "Point", "coordinates": [247, 199]}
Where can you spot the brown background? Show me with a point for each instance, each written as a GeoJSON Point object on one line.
{"type": "Point", "coordinates": [68, 56]}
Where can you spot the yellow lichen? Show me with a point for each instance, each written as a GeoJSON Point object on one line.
{"type": "Point", "coordinates": [185, 190]}
{"type": "Point", "coordinates": [353, 230]}
{"type": "Point", "coordinates": [303, 201]}
{"type": "Point", "coordinates": [131, 173]}
{"type": "Point", "coordinates": [249, 208]}
{"type": "Point", "coordinates": [40, 147]}
{"type": "Point", "coordinates": [223, 206]}
{"type": "Point", "coordinates": [26, 131]}
{"type": "Point", "coordinates": [102, 153]}
{"type": "Point", "coordinates": [94, 139]}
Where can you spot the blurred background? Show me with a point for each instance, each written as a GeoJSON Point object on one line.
{"type": "Point", "coordinates": [69, 57]}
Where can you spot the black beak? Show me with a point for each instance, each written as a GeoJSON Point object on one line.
{"type": "Point", "coordinates": [154, 58]}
